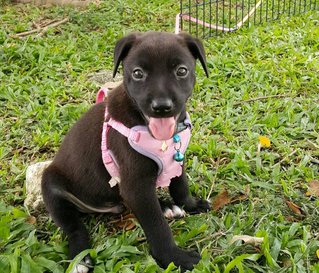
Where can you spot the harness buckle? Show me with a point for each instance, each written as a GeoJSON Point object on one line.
{"type": "Point", "coordinates": [134, 135]}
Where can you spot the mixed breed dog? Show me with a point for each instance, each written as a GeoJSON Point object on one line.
{"type": "Point", "coordinates": [126, 146]}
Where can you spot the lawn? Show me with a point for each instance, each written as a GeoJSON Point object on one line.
{"type": "Point", "coordinates": [263, 82]}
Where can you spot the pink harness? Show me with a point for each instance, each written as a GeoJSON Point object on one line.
{"type": "Point", "coordinates": [162, 152]}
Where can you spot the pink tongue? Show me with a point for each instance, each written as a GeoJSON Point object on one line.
{"type": "Point", "coordinates": [162, 128]}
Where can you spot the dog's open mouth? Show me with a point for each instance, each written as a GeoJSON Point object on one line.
{"type": "Point", "coordinates": [162, 128]}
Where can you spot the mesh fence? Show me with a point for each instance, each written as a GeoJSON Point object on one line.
{"type": "Point", "coordinates": [207, 18]}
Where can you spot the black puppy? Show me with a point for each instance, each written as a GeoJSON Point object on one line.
{"type": "Point", "coordinates": [159, 75]}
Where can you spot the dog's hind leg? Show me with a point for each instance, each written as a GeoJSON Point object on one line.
{"type": "Point", "coordinates": [65, 215]}
{"type": "Point", "coordinates": [180, 193]}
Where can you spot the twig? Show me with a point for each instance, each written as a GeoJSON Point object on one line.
{"type": "Point", "coordinates": [261, 98]}
{"type": "Point", "coordinates": [44, 24]}
{"type": "Point", "coordinates": [26, 33]}
{"type": "Point", "coordinates": [48, 23]}
{"type": "Point", "coordinates": [43, 29]}
{"type": "Point", "coordinates": [55, 24]}
{"type": "Point", "coordinates": [34, 24]}
{"type": "Point", "coordinates": [313, 144]}
{"type": "Point", "coordinates": [286, 157]}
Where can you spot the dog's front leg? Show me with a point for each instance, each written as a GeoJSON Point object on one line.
{"type": "Point", "coordinates": [180, 193]}
{"type": "Point", "coordinates": [140, 196]}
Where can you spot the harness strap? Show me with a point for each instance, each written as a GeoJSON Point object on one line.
{"type": "Point", "coordinates": [101, 95]}
{"type": "Point", "coordinates": [125, 131]}
{"type": "Point", "coordinates": [105, 155]}
{"type": "Point", "coordinates": [118, 126]}
{"type": "Point", "coordinates": [139, 137]}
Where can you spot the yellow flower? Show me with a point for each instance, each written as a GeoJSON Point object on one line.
{"type": "Point", "coordinates": [264, 141]}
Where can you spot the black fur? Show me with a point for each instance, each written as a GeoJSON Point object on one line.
{"type": "Point", "coordinates": [78, 170]}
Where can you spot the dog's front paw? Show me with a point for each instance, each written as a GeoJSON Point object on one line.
{"type": "Point", "coordinates": [181, 258]}
{"type": "Point", "coordinates": [198, 206]}
{"type": "Point", "coordinates": [84, 266]}
{"type": "Point", "coordinates": [80, 268]}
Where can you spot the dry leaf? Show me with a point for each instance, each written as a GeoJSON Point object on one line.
{"type": "Point", "coordinates": [313, 189]}
{"type": "Point", "coordinates": [127, 222]}
{"type": "Point", "coordinates": [129, 225]}
{"type": "Point", "coordinates": [221, 200]}
{"type": "Point", "coordinates": [247, 189]}
{"type": "Point", "coordinates": [31, 220]}
{"type": "Point", "coordinates": [255, 241]}
{"type": "Point", "coordinates": [291, 219]}
{"type": "Point", "coordinates": [295, 208]}
{"type": "Point", "coordinates": [238, 198]}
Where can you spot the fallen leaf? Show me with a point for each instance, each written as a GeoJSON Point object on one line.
{"type": "Point", "coordinates": [264, 141]}
{"type": "Point", "coordinates": [291, 219]}
{"type": "Point", "coordinates": [31, 220]}
{"type": "Point", "coordinates": [238, 198]}
{"type": "Point", "coordinates": [250, 240]}
{"type": "Point", "coordinates": [221, 200]}
{"type": "Point", "coordinates": [313, 189]}
{"type": "Point", "coordinates": [129, 225]}
{"type": "Point", "coordinates": [247, 189]}
{"type": "Point", "coordinates": [127, 222]}
{"type": "Point", "coordinates": [295, 208]}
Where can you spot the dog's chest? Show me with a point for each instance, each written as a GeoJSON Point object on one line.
{"type": "Point", "coordinates": [168, 154]}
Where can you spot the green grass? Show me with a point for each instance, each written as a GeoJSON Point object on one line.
{"type": "Point", "coordinates": [46, 84]}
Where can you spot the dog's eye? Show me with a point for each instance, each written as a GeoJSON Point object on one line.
{"type": "Point", "coordinates": [181, 72]}
{"type": "Point", "coordinates": [138, 74]}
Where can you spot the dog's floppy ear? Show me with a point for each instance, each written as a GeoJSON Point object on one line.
{"type": "Point", "coordinates": [122, 48]}
{"type": "Point", "coordinates": [196, 47]}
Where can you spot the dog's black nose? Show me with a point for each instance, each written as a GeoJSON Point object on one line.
{"type": "Point", "coordinates": [162, 106]}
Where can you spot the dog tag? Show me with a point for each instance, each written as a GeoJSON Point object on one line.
{"type": "Point", "coordinates": [164, 146]}
{"type": "Point", "coordinates": [179, 157]}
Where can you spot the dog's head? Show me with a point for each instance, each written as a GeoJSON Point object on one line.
{"type": "Point", "coordinates": [159, 75]}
